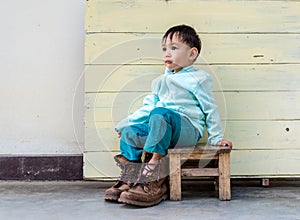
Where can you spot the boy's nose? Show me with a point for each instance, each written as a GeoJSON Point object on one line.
{"type": "Point", "coordinates": [167, 53]}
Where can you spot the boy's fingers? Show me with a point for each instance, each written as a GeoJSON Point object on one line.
{"type": "Point", "coordinates": [225, 144]}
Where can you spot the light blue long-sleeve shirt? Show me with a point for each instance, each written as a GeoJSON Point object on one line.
{"type": "Point", "coordinates": [187, 92]}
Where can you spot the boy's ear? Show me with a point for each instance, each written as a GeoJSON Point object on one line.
{"type": "Point", "coordinates": [194, 53]}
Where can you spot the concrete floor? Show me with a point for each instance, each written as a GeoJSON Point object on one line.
{"type": "Point", "coordinates": [84, 200]}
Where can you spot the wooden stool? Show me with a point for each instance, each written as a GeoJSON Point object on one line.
{"type": "Point", "coordinates": [221, 172]}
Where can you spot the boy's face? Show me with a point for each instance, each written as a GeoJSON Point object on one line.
{"type": "Point", "coordinates": [177, 54]}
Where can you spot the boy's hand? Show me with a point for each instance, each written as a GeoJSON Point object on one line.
{"type": "Point", "coordinates": [118, 132]}
{"type": "Point", "coordinates": [224, 143]}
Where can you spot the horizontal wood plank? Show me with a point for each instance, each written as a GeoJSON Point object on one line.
{"type": "Point", "coordinates": [100, 137]}
{"type": "Point", "coordinates": [232, 105]}
{"type": "Point", "coordinates": [200, 172]}
{"type": "Point", "coordinates": [200, 150]}
{"type": "Point", "coordinates": [245, 135]}
{"type": "Point", "coordinates": [210, 16]}
{"type": "Point", "coordinates": [126, 48]}
{"type": "Point", "coordinates": [100, 165]}
{"type": "Point", "coordinates": [265, 163]}
{"type": "Point", "coordinates": [120, 78]}
{"type": "Point", "coordinates": [206, 156]}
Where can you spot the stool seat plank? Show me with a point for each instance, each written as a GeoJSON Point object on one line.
{"type": "Point", "coordinates": [203, 149]}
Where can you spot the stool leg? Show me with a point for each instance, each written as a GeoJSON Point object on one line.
{"type": "Point", "coordinates": [224, 176]}
{"type": "Point", "coordinates": [175, 177]}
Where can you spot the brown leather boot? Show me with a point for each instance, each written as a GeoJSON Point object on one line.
{"type": "Point", "coordinates": [151, 188]}
{"type": "Point", "coordinates": [129, 174]}
{"type": "Point", "coordinates": [113, 193]}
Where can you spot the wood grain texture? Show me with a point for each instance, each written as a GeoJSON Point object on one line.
{"type": "Point", "coordinates": [224, 176]}
{"type": "Point", "coordinates": [251, 48]}
{"type": "Point", "coordinates": [125, 78]}
{"type": "Point", "coordinates": [268, 163]}
{"type": "Point", "coordinates": [210, 16]}
{"type": "Point", "coordinates": [175, 177]}
{"type": "Point", "coordinates": [265, 163]}
{"type": "Point", "coordinates": [232, 105]}
{"type": "Point", "coordinates": [202, 172]}
{"type": "Point", "coordinates": [126, 48]}
{"type": "Point", "coordinates": [246, 135]}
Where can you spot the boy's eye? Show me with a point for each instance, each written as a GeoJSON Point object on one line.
{"type": "Point", "coordinates": [164, 49]}
{"type": "Point", "coordinates": [174, 48]}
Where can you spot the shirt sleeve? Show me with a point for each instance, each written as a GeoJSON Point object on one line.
{"type": "Point", "coordinates": [141, 115]}
{"type": "Point", "coordinates": [209, 108]}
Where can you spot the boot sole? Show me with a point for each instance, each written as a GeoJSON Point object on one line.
{"type": "Point", "coordinates": [142, 204]}
{"type": "Point", "coordinates": [111, 198]}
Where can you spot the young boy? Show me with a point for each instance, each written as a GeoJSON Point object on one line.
{"type": "Point", "coordinates": [174, 114]}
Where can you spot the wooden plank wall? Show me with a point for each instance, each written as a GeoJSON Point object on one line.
{"type": "Point", "coordinates": [252, 49]}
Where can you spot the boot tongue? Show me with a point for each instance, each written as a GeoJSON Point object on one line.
{"type": "Point", "coordinates": [124, 187]}
{"type": "Point", "coordinates": [120, 159]}
{"type": "Point", "coordinates": [146, 157]}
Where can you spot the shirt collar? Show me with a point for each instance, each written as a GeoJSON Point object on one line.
{"type": "Point", "coordinates": [184, 70]}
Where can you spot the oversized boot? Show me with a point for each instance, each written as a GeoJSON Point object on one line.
{"type": "Point", "coordinates": [128, 176]}
{"type": "Point", "coordinates": [151, 187]}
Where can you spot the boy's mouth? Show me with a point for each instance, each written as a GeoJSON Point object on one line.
{"type": "Point", "coordinates": [168, 62]}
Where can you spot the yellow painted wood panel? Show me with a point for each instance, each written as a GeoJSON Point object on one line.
{"type": "Point", "coordinates": [269, 163]}
{"type": "Point", "coordinates": [120, 78]}
{"type": "Point", "coordinates": [252, 48]}
{"type": "Point", "coordinates": [205, 16]}
{"type": "Point", "coordinates": [284, 77]}
{"type": "Point", "coordinates": [232, 105]}
{"type": "Point", "coordinates": [126, 48]}
{"type": "Point", "coordinates": [109, 78]}
{"type": "Point", "coordinates": [263, 134]}
{"type": "Point", "coordinates": [246, 135]}
{"type": "Point", "coordinates": [100, 165]}
{"type": "Point", "coordinates": [265, 163]}
{"type": "Point", "coordinates": [101, 137]}
{"type": "Point", "coordinates": [262, 105]}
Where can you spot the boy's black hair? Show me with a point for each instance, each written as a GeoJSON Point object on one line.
{"type": "Point", "coordinates": [186, 33]}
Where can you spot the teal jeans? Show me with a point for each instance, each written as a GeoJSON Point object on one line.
{"type": "Point", "coordinates": [164, 129]}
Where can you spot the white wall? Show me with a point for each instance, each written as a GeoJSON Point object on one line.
{"type": "Point", "coordinates": [41, 58]}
